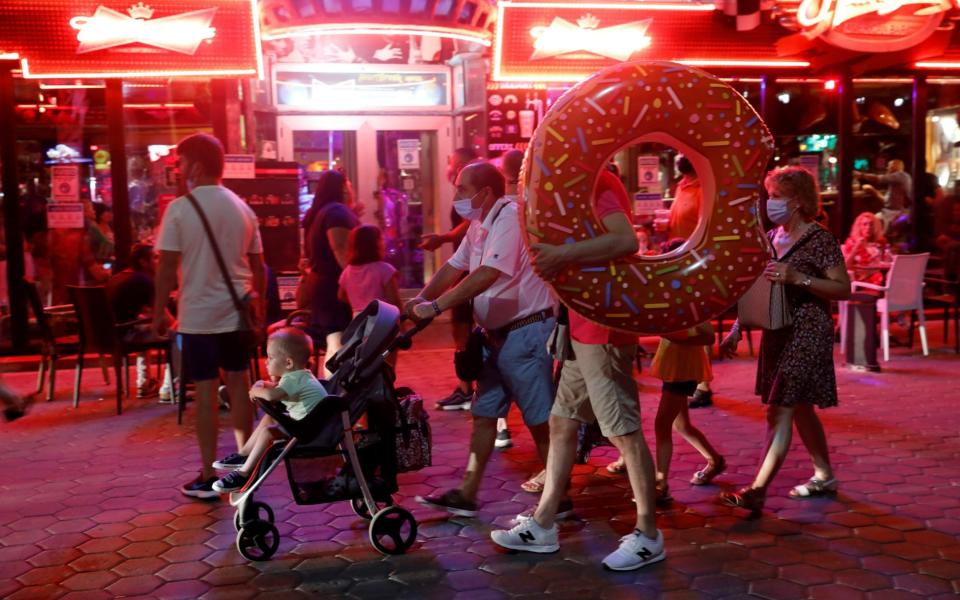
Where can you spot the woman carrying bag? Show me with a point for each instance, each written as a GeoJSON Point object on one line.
{"type": "Point", "coordinates": [796, 370]}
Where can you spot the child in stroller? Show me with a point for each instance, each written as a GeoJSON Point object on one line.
{"type": "Point", "coordinates": [288, 352]}
{"type": "Point", "coordinates": [328, 459]}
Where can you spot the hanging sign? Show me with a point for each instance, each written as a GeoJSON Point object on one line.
{"type": "Point", "coordinates": [123, 38]}
{"type": "Point", "coordinates": [872, 25]}
{"type": "Point", "coordinates": [65, 215]}
{"type": "Point", "coordinates": [64, 183]}
{"type": "Point", "coordinates": [239, 166]}
{"type": "Point", "coordinates": [648, 179]}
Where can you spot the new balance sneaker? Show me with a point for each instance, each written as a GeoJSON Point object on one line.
{"type": "Point", "coordinates": [458, 400]}
{"type": "Point", "coordinates": [231, 482]}
{"type": "Point", "coordinates": [503, 440]}
{"type": "Point", "coordinates": [527, 536]}
{"type": "Point", "coordinates": [564, 511]}
{"type": "Point", "coordinates": [636, 550]}
{"type": "Point", "coordinates": [200, 488]}
{"type": "Point", "coordinates": [230, 463]}
{"type": "Point", "coordinates": [451, 501]}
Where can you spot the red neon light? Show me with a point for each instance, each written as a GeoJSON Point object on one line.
{"type": "Point", "coordinates": [100, 39]}
{"type": "Point", "coordinates": [618, 42]}
{"type": "Point", "coordinates": [378, 29]}
{"type": "Point", "coordinates": [937, 65]}
{"type": "Point", "coordinates": [872, 25]}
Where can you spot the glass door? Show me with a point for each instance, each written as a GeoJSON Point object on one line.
{"type": "Point", "coordinates": [395, 164]}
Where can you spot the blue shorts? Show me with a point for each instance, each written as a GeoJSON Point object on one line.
{"type": "Point", "coordinates": [519, 369]}
{"type": "Point", "coordinates": [204, 354]}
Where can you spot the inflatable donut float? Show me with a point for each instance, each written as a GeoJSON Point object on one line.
{"type": "Point", "coordinates": [729, 146]}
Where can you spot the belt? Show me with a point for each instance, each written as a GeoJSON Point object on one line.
{"type": "Point", "coordinates": [543, 315]}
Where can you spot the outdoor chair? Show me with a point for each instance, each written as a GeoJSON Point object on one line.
{"type": "Point", "coordinates": [56, 340]}
{"type": "Point", "coordinates": [100, 333]}
{"type": "Point", "coordinates": [903, 291]}
{"type": "Point", "coordinates": [945, 293]}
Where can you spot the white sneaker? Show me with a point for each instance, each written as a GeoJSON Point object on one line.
{"type": "Point", "coordinates": [636, 550]}
{"type": "Point", "coordinates": [527, 536]}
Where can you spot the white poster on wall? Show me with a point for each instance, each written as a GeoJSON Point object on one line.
{"type": "Point", "coordinates": [239, 166]}
{"type": "Point", "coordinates": [65, 215]}
{"type": "Point", "coordinates": [65, 183]}
{"type": "Point", "coordinates": [408, 154]}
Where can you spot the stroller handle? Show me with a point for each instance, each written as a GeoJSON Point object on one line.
{"type": "Point", "coordinates": [404, 341]}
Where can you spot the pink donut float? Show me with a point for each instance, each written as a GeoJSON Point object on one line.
{"type": "Point", "coordinates": [728, 144]}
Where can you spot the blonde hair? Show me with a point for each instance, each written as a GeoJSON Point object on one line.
{"type": "Point", "coordinates": [294, 344]}
{"type": "Point", "coordinates": [876, 227]}
{"type": "Point", "coordinates": [796, 183]}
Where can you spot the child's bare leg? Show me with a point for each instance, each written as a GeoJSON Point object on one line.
{"type": "Point", "coordinates": [265, 423]}
{"type": "Point", "coordinates": [262, 440]}
{"type": "Point", "coordinates": [694, 436]}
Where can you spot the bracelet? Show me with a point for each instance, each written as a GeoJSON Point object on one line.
{"type": "Point", "coordinates": [436, 307]}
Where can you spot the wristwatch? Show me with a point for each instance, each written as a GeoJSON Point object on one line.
{"type": "Point", "coordinates": [436, 307]}
{"type": "Point", "coordinates": [807, 281]}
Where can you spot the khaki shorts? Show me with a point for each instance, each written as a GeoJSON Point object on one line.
{"type": "Point", "coordinates": [599, 385]}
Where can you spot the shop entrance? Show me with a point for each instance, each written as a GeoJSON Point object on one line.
{"type": "Point", "coordinates": [396, 166]}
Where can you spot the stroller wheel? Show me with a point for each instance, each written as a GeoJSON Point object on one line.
{"type": "Point", "coordinates": [253, 510]}
{"type": "Point", "coordinates": [360, 507]}
{"type": "Point", "coordinates": [258, 540]}
{"type": "Point", "coordinates": [393, 530]}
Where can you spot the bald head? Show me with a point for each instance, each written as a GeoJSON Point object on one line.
{"type": "Point", "coordinates": [480, 175]}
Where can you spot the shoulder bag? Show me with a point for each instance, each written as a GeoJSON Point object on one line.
{"type": "Point", "coordinates": [765, 305]}
{"type": "Point", "coordinates": [468, 363]}
{"type": "Point", "coordinates": [250, 325]}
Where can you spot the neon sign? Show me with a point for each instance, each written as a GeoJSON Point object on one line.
{"type": "Point", "coordinates": [108, 28]}
{"type": "Point", "coordinates": [872, 25]}
{"type": "Point", "coordinates": [618, 42]}
{"type": "Point", "coordinates": [99, 39]}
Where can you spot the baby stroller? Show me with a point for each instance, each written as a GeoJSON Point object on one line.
{"type": "Point", "coordinates": [326, 458]}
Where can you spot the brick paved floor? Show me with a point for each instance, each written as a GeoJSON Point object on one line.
{"type": "Point", "coordinates": [89, 507]}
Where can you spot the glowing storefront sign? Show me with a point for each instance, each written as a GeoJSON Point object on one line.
{"type": "Point", "coordinates": [872, 25]}
{"type": "Point", "coordinates": [618, 42]}
{"type": "Point", "coordinates": [568, 41]}
{"type": "Point", "coordinates": [96, 39]}
{"type": "Point", "coordinates": [108, 28]}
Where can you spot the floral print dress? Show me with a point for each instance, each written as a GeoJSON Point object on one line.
{"type": "Point", "coordinates": [796, 363]}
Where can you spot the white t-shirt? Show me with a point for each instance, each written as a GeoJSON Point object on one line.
{"type": "Point", "coordinates": [304, 392]}
{"type": "Point", "coordinates": [498, 243]}
{"type": "Point", "coordinates": [204, 304]}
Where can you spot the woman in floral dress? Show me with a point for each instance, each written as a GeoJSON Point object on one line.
{"type": "Point", "coordinates": [796, 371]}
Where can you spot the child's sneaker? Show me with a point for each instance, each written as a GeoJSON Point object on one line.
{"type": "Point", "coordinates": [636, 550]}
{"type": "Point", "coordinates": [231, 482]}
{"type": "Point", "coordinates": [527, 536]}
{"type": "Point", "coordinates": [231, 462]}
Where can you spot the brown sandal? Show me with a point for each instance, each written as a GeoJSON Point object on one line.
{"type": "Point", "coordinates": [751, 499]}
{"type": "Point", "coordinates": [707, 474]}
{"type": "Point", "coordinates": [815, 488]}
{"type": "Point", "coordinates": [535, 484]}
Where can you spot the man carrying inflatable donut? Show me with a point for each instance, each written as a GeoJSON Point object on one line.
{"type": "Point", "coordinates": [596, 384]}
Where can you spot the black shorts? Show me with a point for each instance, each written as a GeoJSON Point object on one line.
{"type": "Point", "coordinates": [204, 354]}
{"type": "Point", "coordinates": [680, 388]}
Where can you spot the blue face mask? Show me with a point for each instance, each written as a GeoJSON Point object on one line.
{"type": "Point", "coordinates": [778, 211]}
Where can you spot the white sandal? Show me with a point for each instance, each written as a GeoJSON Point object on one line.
{"type": "Point", "coordinates": [815, 488]}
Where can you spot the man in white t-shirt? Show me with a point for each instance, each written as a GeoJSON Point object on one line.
{"type": "Point", "coordinates": [208, 322]}
{"type": "Point", "coordinates": [516, 311]}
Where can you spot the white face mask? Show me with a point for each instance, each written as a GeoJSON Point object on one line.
{"type": "Point", "coordinates": [464, 208]}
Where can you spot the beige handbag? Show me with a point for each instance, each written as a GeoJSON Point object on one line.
{"type": "Point", "coordinates": [765, 305]}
